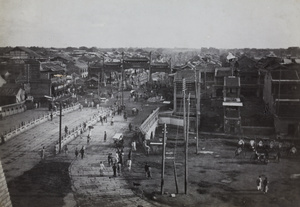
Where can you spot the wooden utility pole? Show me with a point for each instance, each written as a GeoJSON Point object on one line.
{"type": "Point", "coordinates": [60, 116]}
{"type": "Point", "coordinates": [184, 113]}
{"type": "Point", "coordinates": [122, 77]}
{"type": "Point", "coordinates": [187, 147]}
{"type": "Point", "coordinates": [197, 116]}
{"type": "Point", "coordinates": [163, 160]}
{"type": "Point", "coordinates": [184, 132]}
{"type": "Point", "coordinates": [175, 175]}
{"type": "Point", "coordinates": [150, 59]}
{"type": "Point", "coordinates": [99, 84]}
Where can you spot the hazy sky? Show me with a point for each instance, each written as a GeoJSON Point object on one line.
{"type": "Point", "coordinates": [150, 23]}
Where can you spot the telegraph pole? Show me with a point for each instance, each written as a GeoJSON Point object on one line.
{"type": "Point", "coordinates": [60, 115]}
{"type": "Point", "coordinates": [184, 132]}
{"type": "Point", "coordinates": [122, 77]}
{"type": "Point", "coordinates": [197, 115]}
{"type": "Point", "coordinates": [184, 113]}
{"type": "Point", "coordinates": [187, 147]}
{"type": "Point", "coordinates": [163, 160]}
{"type": "Point", "coordinates": [99, 84]}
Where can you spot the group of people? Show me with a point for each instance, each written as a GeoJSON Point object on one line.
{"type": "Point", "coordinates": [262, 184]}
{"type": "Point", "coordinates": [81, 151]}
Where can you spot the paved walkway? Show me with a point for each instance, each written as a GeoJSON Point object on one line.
{"type": "Point", "coordinates": [21, 153]}
{"type": "Point", "coordinates": [91, 188]}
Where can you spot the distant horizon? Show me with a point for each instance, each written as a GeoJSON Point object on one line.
{"type": "Point", "coordinates": [153, 47]}
{"type": "Point", "coordinates": [150, 23]}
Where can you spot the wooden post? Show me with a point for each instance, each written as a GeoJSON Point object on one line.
{"type": "Point", "coordinates": [187, 147]}
{"type": "Point", "coordinates": [122, 82]}
{"type": "Point", "coordinates": [60, 115]}
{"type": "Point", "coordinates": [175, 175]}
{"type": "Point", "coordinates": [150, 77]}
{"type": "Point", "coordinates": [163, 161]}
{"type": "Point", "coordinates": [184, 131]}
{"type": "Point", "coordinates": [197, 109]}
{"type": "Point", "coordinates": [99, 84]}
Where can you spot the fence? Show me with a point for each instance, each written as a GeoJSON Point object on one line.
{"type": "Point", "coordinates": [30, 124]}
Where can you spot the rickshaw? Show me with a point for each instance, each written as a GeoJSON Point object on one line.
{"type": "Point", "coordinates": [118, 140]}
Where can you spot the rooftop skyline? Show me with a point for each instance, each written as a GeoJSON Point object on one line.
{"type": "Point", "coordinates": [150, 23]}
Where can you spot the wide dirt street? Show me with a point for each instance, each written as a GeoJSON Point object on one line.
{"type": "Point", "coordinates": [215, 178]}
{"type": "Point", "coordinates": [220, 179]}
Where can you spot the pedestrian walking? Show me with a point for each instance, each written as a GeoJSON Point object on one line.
{"type": "Point", "coordinates": [265, 185]}
{"type": "Point", "coordinates": [133, 146]}
{"type": "Point", "coordinates": [112, 121]}
{"type": "Point", "coordinates": [119, 168]}
{"type": "Point", "coordinates": [130, 154]}
{"type": "Point", "coordinates": [51, 116]}
{"type": "Point", "coordinates": [129, 162]}
{"type": "Point", "coordinates": [76, 152]}
{"type": "Point", "coordinates": [88, 139]}
{"type": "Point", "coordinates": [102, 168]}
{"type": "Point", "coordinates": [66, 149]}
{"type": "Point", "coordinates": [101, 120]}
{"type": "Point", "coordinates": [278, 156]}
{"type": "Point", "coordinates": [82, 152]}
{"type": "Point", "coordinates": [259, 183]}
{"type": "Point", "coordinates": [121, 155]}
{"type": "Point", "coordinates": [110, 159]}
{"type": "Point", "coordinates": [130, 127]}
{"type": "Point", "coordinates": [149, 174]}
{"type": "Point", "coordinates": [105, 136]}
{"type": "Point", "coordinates": [146, 169]}
{"type": "Point", "coordinates": [125, 116]}
{"type": "Point", "coordinates": [43, 153]}
{"type": "Point", "coordinates": [117, 157]}
{"type": "Point", "coordinates": [114, 167]}
{"type": "Point", "coordinates": [66, 130]}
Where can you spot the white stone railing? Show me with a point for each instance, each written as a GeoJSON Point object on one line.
{"type": "Point", "coordinates": [28, 125]}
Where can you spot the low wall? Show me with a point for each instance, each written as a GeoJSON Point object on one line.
{"type": "Point", "coordinates": [28, 125]}
{"type": "Point", "coordinates": [176, 121]}
{"type": "Point", "coordinates": [255, 130]}
{"type": "Point", "coordinates": [149, 125]}
{"type": "Point", "coordinates": [12, 109]}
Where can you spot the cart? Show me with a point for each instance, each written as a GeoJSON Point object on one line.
{"type": "Point", "coordinates": [118, 140]}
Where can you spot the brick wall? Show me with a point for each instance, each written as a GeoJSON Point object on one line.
{"type": "Point", "coordinates": [4, 194]}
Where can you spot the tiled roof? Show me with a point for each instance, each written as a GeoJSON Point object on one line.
{"type": "Point", "coordinates": [81, 64]}
{"type": "Point", "coordinates": [27, 50]}
{"type": "Point", "coordinates": [63, 56]}
{"type": "Point", "coordinates": [93, 79]}
{"type": "Point", "coordinates": [189, 75]}
{"type": "Point", "coordinates": [52, 66]}
{"type": "Point", "coordinates": [284, 75]}
{"type": "Point", "coordinates": [223, 72]}
{"type": "Point", "coordinates": [136, 59]}
{"type": "Point", "coordinates": [246, 64]}
{"type": "Point", "coordinates": [269, 63]}
{"type": "Point", "coordinates": [9, 89]}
